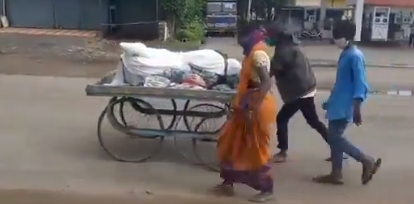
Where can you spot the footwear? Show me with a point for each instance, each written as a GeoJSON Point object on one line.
{"type": "Point", "coordinates": [280, 157]}
{"type": "Point", "coordinates": [332, 179]}
{"type": "Point", "coordinates": [370, 168]}
{"type": "Point", "coordinates": [222, 190]}
{"type": "Point", "coordinates": [262, 197]}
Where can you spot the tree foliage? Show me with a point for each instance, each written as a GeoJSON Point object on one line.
{"type": "Point", "coordinates": [184, 17]}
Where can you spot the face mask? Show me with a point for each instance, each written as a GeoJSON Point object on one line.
{"type": "Point", "coordinates": [341, 43]}
{"type": "Point", "coordinates": [271, 42]}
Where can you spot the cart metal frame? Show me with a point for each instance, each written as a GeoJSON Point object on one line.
{"type": "Point", "coordinates": [134, 96]}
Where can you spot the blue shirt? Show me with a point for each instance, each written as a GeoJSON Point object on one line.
{"type": "Point", "coordinates": [350, 84]}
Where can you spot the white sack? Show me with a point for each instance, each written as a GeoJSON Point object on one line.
{"type": "Point", "coordinates": [142, 60]}
{"type": "Point", "coordinates": [149, 66]}
{"type": "Point", "coordinates": [118, 79]}
{"type": "Point", "coordinates": [123, 76]}
{"type": "Point", "coordinates": [156, 82]}
{"type": "Point", "coordinates": [136, 49]}
{"type": "Point", "coordinates": [207, 60]}
{"type": "Point", "coordinates": [233, 66]}
{"type": "Point", "coordinates": [141, 50]}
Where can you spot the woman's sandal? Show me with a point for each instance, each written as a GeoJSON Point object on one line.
{"type": "Point", "coordinates": [328, 179]}
{"type": "Point", "coordinates": [368, 172]}
{"type": "Point", "coordinates": [280, 158]}
{"type": "Point", "coordinates": [262, 197]}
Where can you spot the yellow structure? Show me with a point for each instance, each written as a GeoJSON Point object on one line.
{"type": "Point", "coordinates": [317, 3]}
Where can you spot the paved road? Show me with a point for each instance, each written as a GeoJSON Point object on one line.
{"type": "Point", "coordinates": [329, 53]}
{"type": "Point", "coordinates": [49, 147]}
{"type": "Point", "coordinates": [380, 79]}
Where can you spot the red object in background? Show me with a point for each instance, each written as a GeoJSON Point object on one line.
{"type": "Point", "coordinates": [391, 3]}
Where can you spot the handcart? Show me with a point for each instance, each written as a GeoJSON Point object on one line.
{"type": "Point", "coordinates": [194, 115]}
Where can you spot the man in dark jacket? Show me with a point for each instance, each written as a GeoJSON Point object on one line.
{"type": "Point", "coordinates": [296, 83]}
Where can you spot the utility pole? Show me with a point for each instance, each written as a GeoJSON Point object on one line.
{"type": "Point", "coordinates": [358, 16]}
{"type": "Point", "coordinates": [324, 5]}
{"type": "Point", "coordinates": [249, 8]}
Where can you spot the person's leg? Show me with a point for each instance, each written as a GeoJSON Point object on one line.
{"type": "Point", "coordinates": [282, 121]}
{"type": "Point", "coordinates": [336, 130]}
{"type": "Point", "coordinates": [340, 145]}
{"type": "Point", "coordinates": [226, 187]}
{"type": "Point", "coordinates": [411, 40]}
{"type": "Point", "coordinates": [261, 181]}
{"type": "Point", "coordinates": [308, 109]}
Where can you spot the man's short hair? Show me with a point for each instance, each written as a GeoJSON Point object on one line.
{"type": "Point", "coordinates": [275, 29]}
{"type": "Point", "coordinates": [279, 32]}
{"type": "Point", "coordinates": [344, 29]}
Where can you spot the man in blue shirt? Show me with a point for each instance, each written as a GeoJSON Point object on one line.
{"type": "Point", "coordinates": [344, 106]}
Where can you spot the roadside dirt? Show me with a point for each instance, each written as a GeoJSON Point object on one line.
{"type": "Point", "coordinates": [19, 64]}
{"type": "Point", "coordinates": [62, 197]}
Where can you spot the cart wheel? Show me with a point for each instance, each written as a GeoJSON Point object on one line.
{"type": "Point", "coordinates": [188, 155]}
{"type": "Point", "coordinates": [211, 165]}
{"type": "Point", "coordinates": [121, 148]}
{"type": "Point", "coordinates": [212, 125]}
{"type": "Point", "coordinates": [129, 108]}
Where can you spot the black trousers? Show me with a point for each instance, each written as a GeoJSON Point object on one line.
{"type": "Point", "coordinates": [308, 109]}
{"type": "Point", "coordinates": [411, 40]}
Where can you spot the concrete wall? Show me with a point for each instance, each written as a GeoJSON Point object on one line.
{"type": "Point", "coordinates": [67, 14]}
{"type": "Point", "coordinates": [1, 7]}
{"type": "Point", "coordinates": [136, 11]}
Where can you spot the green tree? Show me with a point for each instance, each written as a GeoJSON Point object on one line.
{"type": "Point", "coordinates": [184, 14]}
{"type": "Point", "coordinates": [174, 13]}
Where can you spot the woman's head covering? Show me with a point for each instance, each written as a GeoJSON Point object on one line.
{"type": "Point", "coordinates": [251, 39]}
{"type": "Point", "coordinates": [344, 29]}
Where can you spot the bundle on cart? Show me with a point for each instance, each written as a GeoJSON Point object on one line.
{"type": "Point", "coordinates": [203, 69]}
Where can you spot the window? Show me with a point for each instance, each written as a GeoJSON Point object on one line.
{"type": "Point", "coordinates": [213, 7]}
{"type": "Point", "coordinates": [230, 7]}
{"type": "Point", "coordinates": [310, 15]}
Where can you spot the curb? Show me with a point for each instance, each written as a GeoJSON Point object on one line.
{"type": "Point", "coordinates": [403, 93]}
{"type": "Point", "coordinates": [400, 93]}
{"type": "Point", "coordinates": [327, 64]}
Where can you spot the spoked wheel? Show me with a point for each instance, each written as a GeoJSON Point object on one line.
{"type": "Point", "coordinates": [128, 116]}
{"type": "Point", "coordinates": [190, 123]}
{"type": "Point", "coordinates": [204, 148]}
{"type": "Point", "coordinates": [134, 147]}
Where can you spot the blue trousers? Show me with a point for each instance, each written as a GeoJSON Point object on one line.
{"type": "Point", "coordinates": [340, 145]}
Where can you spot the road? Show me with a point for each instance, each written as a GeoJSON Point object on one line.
{"type": "Point", "coordinates": [49, 147]}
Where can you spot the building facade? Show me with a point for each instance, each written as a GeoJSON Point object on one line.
{"type": "Point", "coordinates": [318, 3]}
{"type": "Point", "coordinates": [78, 14]}
{"type": "Point", "coordinates": [304, 16]}
{"type": "Point", "coordinates": [384, 20]}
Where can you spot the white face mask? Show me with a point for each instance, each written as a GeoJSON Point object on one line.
{"type": "Point", "coordinates": [341, 43]}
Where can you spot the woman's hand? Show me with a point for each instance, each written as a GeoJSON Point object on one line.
{"type": "Point", "coordinates": [245, 102]}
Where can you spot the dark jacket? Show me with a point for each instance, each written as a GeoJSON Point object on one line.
{"type": "Point", "coordinates": [293, 72]}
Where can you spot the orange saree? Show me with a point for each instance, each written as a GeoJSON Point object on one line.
{"type": "Point", "coordinates": [243, 146]}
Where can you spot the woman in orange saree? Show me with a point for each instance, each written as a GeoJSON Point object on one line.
{"type": "Point", "coordinates": [243, 146]}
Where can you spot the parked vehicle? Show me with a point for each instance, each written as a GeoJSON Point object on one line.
{"type": "Point", "coordinates": [221, 17]}
{"type": "Point", "coordinates": [311, 34]}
